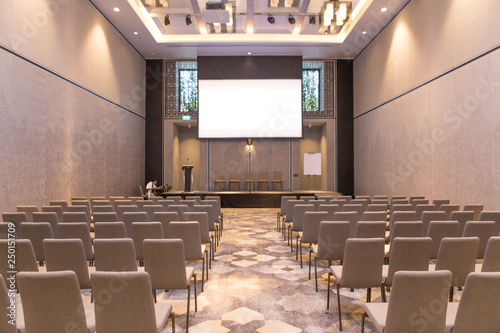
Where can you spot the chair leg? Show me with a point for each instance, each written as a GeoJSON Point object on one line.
{"type": "Point", "coordinates": [310, 264]}
{"type": "Point", "coordinates": [338, 302]}
{"type": "Point", "coordinates": [451, 294]}
{"type": "Point", "coordinates": [202, 273]}
{"type": "Point", "coordinates": [297, 249]}
{"type": "Point", "coordinates": [206, 259]}
{"type": "Point", "coordinates": [382, 292]}
{"type": "Point", "coordinates": [172, 315]}
{"type": "Point", "coordinates": [195, 295]}
{"type": "Point", "coordinates": [316, 272]}
{"type": "Point", "coordinates": [91, 296]}
{"type": "Point", "coordinates": [300, 253]}
{"type": "Point", "coordinates": [363, 322]}
{"type": "Point", "coordinates": [368, 295]}
{"type": "Point", "coordinates": [328, 293]}
{"type": "Point", "coordinates": [210, 256]}
{"type": "Point", "coordinates": [187, 312]}
{"type": "Point", "coordinates": [154, 294]}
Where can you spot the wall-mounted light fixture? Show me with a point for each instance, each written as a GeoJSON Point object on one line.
{"type": "Point", "coordinates": [249, 145]}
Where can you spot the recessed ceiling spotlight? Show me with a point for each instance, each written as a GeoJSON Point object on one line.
{"type": "Point", "coordinates": [364, 32]}
{"type": "Point", "coordinates": [136, 33]}
{"type": "Point", "coordinates": [291, 19]}
{"type": "Point", "coordinates": [188, 20]}
{"type": "Point", "coordinates": [312, 19]}
{"type": "Point", "coordinates": [249, 53]}
{"type": "Point", "coordinates": [383, 10]}
{"type": "Point", "coordinates": [270, 19]}
{"type": "Point", "coordinates": [167, 20]}
{"type": "Point", "coordinates": [116, 9]}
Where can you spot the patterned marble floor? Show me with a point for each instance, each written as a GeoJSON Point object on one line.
{"type": "Point", "coordinates": [256, 285]}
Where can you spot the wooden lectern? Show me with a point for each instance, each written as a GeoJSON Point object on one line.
{"type": "Point", "coordinates": [187, 177]}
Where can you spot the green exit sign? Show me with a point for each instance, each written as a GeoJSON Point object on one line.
{"type": "Point", "coordinates": [186, 117]}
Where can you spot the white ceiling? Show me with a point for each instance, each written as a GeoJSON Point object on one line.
{"type": "Point", "coordinates": [253, 33]}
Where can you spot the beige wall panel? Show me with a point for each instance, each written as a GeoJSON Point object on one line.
{"type": "Point", "coordinates": [399, 55]}
{"type": "Point", "coordinates": [189, 154]}
{"type": "Point", "coordinates": [80, 53]}
{"type": "Point", "coordinates": [494, 14]}
{"type": "Point", "coordinates": [229, 155]}
{"type": "Point", "coordinates": [494, 85]}
{"type": "Point", "coordinates": [419, 44]}
{"type": "Point", "coordinates": [6, 16]}
{"type": "Point", "coordinates": [271, 155]}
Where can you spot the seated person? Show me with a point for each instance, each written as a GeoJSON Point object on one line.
{"type": "Point", "coordinates": [151, 188]}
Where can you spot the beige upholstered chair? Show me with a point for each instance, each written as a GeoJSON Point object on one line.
{"type": "Point", "coordinates": [131, 217]}
{"type": "Point", "coordinates": [380, 196]}
{"type": "Point", "coordinates": [80, 202]}
{"type": "Point", "coordinates": [176, 198]}
{"type": "Point", "coordinates": [307, 198]}
{"type": "Point", "coordinates": [103, 209]}
{"type": "Point", "coordinates": [52, 303]}
{"type": "Point", "coordinates": [165, 203]}
{"type": "Point", "coordinates": [112, 200]}
{"type": "Point", "coordinates": [407, 254]}
{"type": "Point", "coordinates": [318, 202]}
{"type": "Point", "coordinates": [411, 292]}
{"type": "Point", "coordinates": [491, 262]}
{"type": "Point", "coordinates": [110, 230]}
{"type": "Point", "coordinates": [363, 202]}
{"type": "Point", "coordinates": [115, 255]}
{"type": "Point", "coordinates": [340, 202]}
{"type": "Point", "coordinates": [81, 231]}
{"type": "Point", "coordinates": [5, 326]}
{"type": "Point", "coordinates": [376, 201]}
{"type": "Point", "coordinates": [234, 181]}
{"type": "Point", "coordinates": [478, 307]}
{"type": "Point", "coordinates": [400, 202]}
{"type": "Point", "coordinates": [213, 226]}
{"type": "Point", "coordinates": [165, 218]}
{"type": "Point", "coordinates": [289, 215]}
{"type": "Point", "coordinates": [330, 209]}
{"type": "Point", "coordinates": [216, 214]}
{"type": "Point", "coordinates": [82, 209]}
{"type": "Point", "coordinates": [180, 209]}
{"type": "Point", "coordinates": [151, 210]}
{"type": "Point", "coordinates": [67, 255]}
{"type": "Point", "coordinates": [398, 216]}
{"type": "Point", "coordinates": [427, 217]}
{"type": "Point", "coordinates": [419, 209]}
{"type": "Point", "coordinates": [399, 208]}
{"type": "Point", "coordinates": [220, 181]}
{"type": "Point", "coordinates": [7, 229]}
{"type": "Point", "coordinates": [361, 268]}
{"type": "Point", "coordinates": [447, 209]}
{"type": "Point", "coordinates": [439, 202]}
{"type": "Point", "coordinates": [17, 218]}
{"type": "Point", "coordinates": [207, 237]}
{"type": "Point", "coordinates": [142, 231]}
{"type": "Point", "coordinates": [249, 181]}
{"type": "Point", "coordinates": [165, 262]}
{"type": "Point", "coordinates": [141, 203]}
{"type": "Point", "coordinates": [351, 217]}
{"type": "Point", "coordinates": [414, 203]}
{"type": "Point", "coordinates": [277, 181]}
{"type": "Point", "coordinates": [491, 216]}
{"type": "Point", "coordinates": [347, 198]}
{"type": "Point", "coordinates": [403, 229]}
{"type": "Point", "coordinates": [366, 197]}
{"type": "Point", "coordinates": [370, 229]}
{"type": "Point", "coordinates": [122, 208]}
{"type": "Point", "coordinates": [310, 229]}
{"type": "Point", "coordinates": [282, 212]}
{"type": "Point", "coordinates": [25, 258]}
{"type": "Point", "coordinates": [72, 217]}
{"type": "Point", "coordinates": [131, 308]}
{"type": "Point", "coordinates": [298, 223]}
{"type": "Point", "coordinates": [189, 232]}
{"type": "Point", "coordinates": [476, 208]}
{"type": "Point", "coordinates": [105, 216]}
{"type": "Point", "coordinates": [374, 216]}
{"type": "Point", "coordinates": [47, 217]}
{"type": "Point", "coordinates": [100, 202]}
{"type": "Point", "coordinates": [439, 230]}
{"type": "Point", "coordinates": [377, 208]}
{"type": "Point", "coordinates": [62, 203]}
{"type": "Point", "coordinates": [481, 229]}
{"type": "Point", "coordinates": [462, 218]}
{"type": "Point", "coordinates": [190, 203]}
{"type": "Point", "coordinates": [263, 181]}
{"type": "Point", "coordinates": [457, 255]}
{"type": "Point", "coordinates": [36, 232]}
{"type": "Point", "coordinates": [54, 209]}
{"type": "Point", "coordinates": [331, 244]}
{"type": "Point", "coordinates": [29, 210]}
{"type": "Point", "coordinates": [416, 197]}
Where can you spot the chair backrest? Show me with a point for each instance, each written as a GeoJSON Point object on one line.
{"type": "Point", "coordinates": [103, 209]}
{"type": "Point", "coordinates": [447, 209]}
{"type": "Point", "coordinates": [398, 216]}
{"type": "Point", "coordinates": [479, 304]}
{"type": "Point", "coordinates": [5, 326]}
{"type": "Point", "coordinates": [331, 240]}
{"type": "Point", "coordinates": [425, 290]}
{"type": "Point", "coordinates": [165, 218]}
{"type": "Point", "coordinates": [481, 229]}
{"type": "Point", "coordinates": [458, 255]}
{"type": "Point", "coordinates": [409, 254]}
{"type": "Point", "coordinates": [67, 255]}
{"type": "Point", "coordinates": [491, 262]}
{"type": "Point", "coordinates": [151, 210]}
{"type": "Point", "coordinates": [113, 199]}
{"type": "Point", "coordinates": [131, 217]}
{"type": "Point", "coordinates": [219, 175]}
{"type": "Point", "coordinates": [330, 209]}
{"type": "Point", "coordinates": [7, 229]}
{"type": "Point", "coordinates": [491, 216]}
{"type": "Point", "coordinates": [263, 176]}
{"type": "Point", "coordinates": [78, 230]}
{"type": "Point", "coordinates": [216, 198]}
{"type": "Point", "coordinates": [165, 262]}
{"type": "Point", "coordinates": [165, 203]}
{"type": "Point", "coordinates": [29, 210]}
{"type": "Point", "coordinates": [80, 202]}
{"type": "Point", "coordinates": [123, 202]}
{"type": "Point", "coordinates": [374, 216]}
{"type": "Point", "coordinates": [427, 217]}
{"type": "Point", "coordinates": [180, 209]}
{"type": "Point", "coordinates": [62, 203]}
{"type": "Point", "coordinates": [311, 225]}
{"type": "Point", "coordinates": [50, 217]}
{"type": "Point", "coordinates": [284, 201]}
{"type": "Point", "coordinates": [72, 217]}
{"type": "Point", "coordinates": [55, 209]}
{"type": "Point", "coordinates": [462, 218]}
{"type": "Point", "coordinates": [25, 258]}
{"type": "Point", "coordinates": [36, 232]}
{"type": "Point", "coordinates": [120, 209]}
{"type": "Point", "coordinates": [277, 176]}
{"type": "Point", "coordinates": [375, 201]}
{"type": "Point", "coordinates": [439, 202]}
{"type": "Point", "coordinates": [400, 202]}
{"type": "Point", "coordinates": [406, 229]}
{"type": "Point", "coordinates": [377, 208]}
{"type": "Point", "coordinates": [351, 217]}
{"type": "Point", "coordinates": [15, 217]}
{"type": "Point", "coordinates": [115, 255]}
{"type": "Point", "coordinates": [142, 231]}
{"type": "Point", "coordinates": [347, 198]}
{"type": "Point", "coordinates": [366, 197]}
{"type": "Point", "coordinates": [100, 202]}
{"type": "Point", "coordinates": [190, 203]}
{"type": "Point", "coordinates": [380, 196]}
{"type": "Point", "coordinates": [196, 198]}
{"type": "Point", "coordinates": [79, 209]}
{"type": "Point", "coordinates": [339, 202]}
{"type": "Point", "coordinates": [189, 232]}
{"type": "Point", "coordinates": [417, 197]}
{"type": "Point", "coordinates": [298, 215]}
{"type": "Point", "coordinates": [234, 176]}
{"type": "Point", "coordinates": [105, 217]}
{"type": "Point", "coordinates": [290, 208]}
{"type": "Point", "coordinates": [476, 208]}
{"type": "Point", "coordinates": [316, 203]}
{"type": "Point", "coordinates": [209, 209]}
{"type": "Point", "coordinates": [370, 229]}
{"type": "Point", "coordinates": [354, 208]}
{"type": "Point", "coordinates": [110, 230]}
{"type": "Point", "coordinates": [202, 219]}
{"type": "Point", "coordinates": [249, 176]}
{"type": "Point", "coordinates": [398, 197]}
{"type": "Point", "coordinates": [51, 302]}
{"type": "Point", "coordinates": [417, 202]}
{"type": "Point", "coordinates": [438, 230]}
{"type": "Point", "coordinates": [141, 203]}
{"type": "Point", "coordinates": [307, 198]}
{"type": "Point", "coordinates": [364, 202]}
{"type": "Point", "coordinates": [136, 199]}
{"type": "Point", "coordinates": [133, 300]}
{"type": "Point", "coordinates": [399, 208]}
{"type": "Point", "coordinates": [215, 208]}
{"type": "Point", "coordinates": [363, 261]}
{"type": "Point", "coordinates": [420, 208]}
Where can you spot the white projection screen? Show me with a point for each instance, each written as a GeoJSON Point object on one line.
{"type": "Point", "coordinates": [249, 97]}
{"type": "Point", "coordinates": [250, 109]}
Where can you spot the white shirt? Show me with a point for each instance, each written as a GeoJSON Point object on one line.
{"type": "Point", "coordinates": [149, 189]}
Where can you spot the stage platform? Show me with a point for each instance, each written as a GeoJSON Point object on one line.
{"type": "Point", "coordinates": [246, 199]}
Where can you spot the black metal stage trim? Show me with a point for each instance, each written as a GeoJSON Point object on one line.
{"type": "Point", "coordinates": [245, 199]}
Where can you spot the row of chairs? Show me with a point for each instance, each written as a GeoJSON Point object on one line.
{"type": "Point", "coordinates": [249, 182]}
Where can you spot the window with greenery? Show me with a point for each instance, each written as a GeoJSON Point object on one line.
{"type": "Point", "coordinates": [310, 89]}
{"type": "Point", "coordinates": [188, 90]}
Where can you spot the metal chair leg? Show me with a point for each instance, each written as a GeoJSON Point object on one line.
{"type": "Point", "coordinates": [338, 302]}
{"type": "Point", "coordinates": [328, 293]}
{"type": "Point", "coordinates": [382, 292]}
{"type": "Point", "coordinates": [187, 312]}
{"type": "Point", "coordinates": [310, 264]}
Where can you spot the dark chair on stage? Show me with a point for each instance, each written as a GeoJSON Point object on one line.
{"type": "Point", "coordinates": [234, 179]}
{"type": "Point", "coordinates": [263, 181]}
{"type": "Point", "coordinates": [277, 181]}
{"type": "Point", "coordinates": [249, 181]}
{"type": "Point", "coordinates": [220, 181]}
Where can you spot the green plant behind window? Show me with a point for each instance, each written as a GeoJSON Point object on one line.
{"type": "Point", "coordinates": [188, 84]}
{"type": "Point", "coordinates": [310, 90]}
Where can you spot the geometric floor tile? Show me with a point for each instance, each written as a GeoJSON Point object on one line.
{"type": "Point", "coordinates": [243, 315]}
{"type": "Point", "coordinates": [276, 326]}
